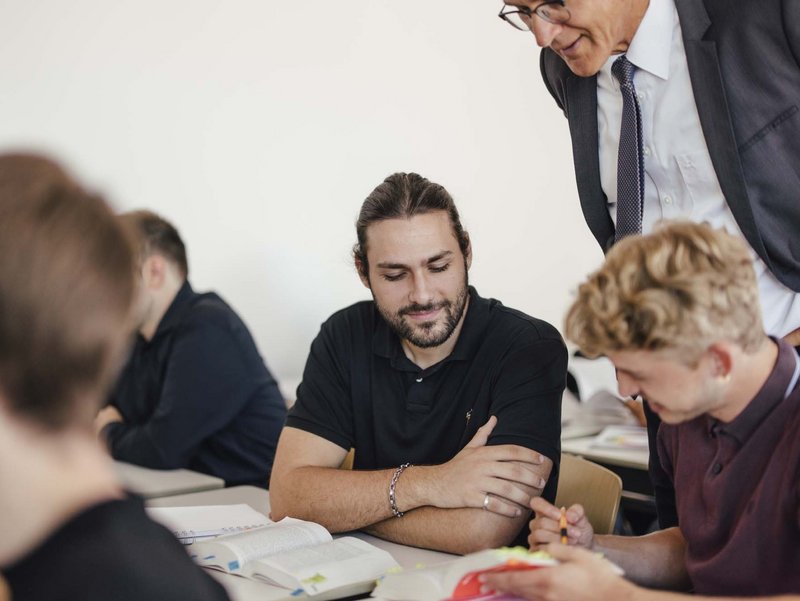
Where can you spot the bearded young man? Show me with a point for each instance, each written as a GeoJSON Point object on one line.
{"type": "Point", "coordinates": [451, 401]}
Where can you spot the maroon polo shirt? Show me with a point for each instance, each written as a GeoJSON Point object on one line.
{"type": "Point", "coordinates": [737, 487]}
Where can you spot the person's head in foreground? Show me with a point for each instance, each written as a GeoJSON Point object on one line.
{"type": "Point", "coordinates": [66, 290]}
{"type": "Point", "coordinates": [677, 313]}
{"type": "Point", "coordinates": [67, 286]}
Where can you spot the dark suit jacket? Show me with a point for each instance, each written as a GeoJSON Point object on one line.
{"type": "Point", "coordinates": [744, 64]}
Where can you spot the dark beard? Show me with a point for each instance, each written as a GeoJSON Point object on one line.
{"type": "Point", "coordinates": [423, 336]}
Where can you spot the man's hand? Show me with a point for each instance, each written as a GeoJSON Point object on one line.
{"type": "Point", "coordinates": [581, 575]}
{"type": "Point", "coordinates": [501, 478]}
{"type": "Point", "coordinates": [5, 594]}
{"type": "Point", "coordinates": [793, 337]}
{"type": "Point", "coordinates": [545, 527]}
{"type": "Point", "coordinates": [105, 416]}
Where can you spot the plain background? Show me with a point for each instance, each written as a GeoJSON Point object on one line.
{"type": "Point", "coordinates": [259, 127]}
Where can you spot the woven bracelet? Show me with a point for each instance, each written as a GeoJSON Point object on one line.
{"type": "Point", "coordinates": [392, 500]}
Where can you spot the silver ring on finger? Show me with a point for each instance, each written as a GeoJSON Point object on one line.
{"type": "Point", "coordinates": [486, 501]}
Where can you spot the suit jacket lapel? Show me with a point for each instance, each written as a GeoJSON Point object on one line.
{"type": "Point", "coordinates": [712, 106]}
{"type": "Point", "coordinates": [581, 106]}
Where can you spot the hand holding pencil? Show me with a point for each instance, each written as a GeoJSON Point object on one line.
{"type": "Point", "coordinates": [568, 526]}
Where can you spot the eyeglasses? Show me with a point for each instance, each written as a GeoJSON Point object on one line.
{"type": "Point", "coordinates": [519, 17]}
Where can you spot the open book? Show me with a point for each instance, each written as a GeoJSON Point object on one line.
{"type": "Point", "coordinates": [458, 579]}
{"type": "Point", "coordinates": [196, 523]}
{"type": "Point", "coordinates": [297, 555]}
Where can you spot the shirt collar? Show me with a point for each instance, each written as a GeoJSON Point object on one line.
{"type": "Point", "coordinates": [651, 45]}
{"type": "Point", "coordinates": [385, 343]}
{"type": "Point", "coordinates": [772, 393]}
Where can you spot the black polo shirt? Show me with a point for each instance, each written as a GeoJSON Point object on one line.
{"type": "Point", "coordinates": [360, 390]}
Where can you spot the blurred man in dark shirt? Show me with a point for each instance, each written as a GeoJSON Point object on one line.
{"type": "Point", "coordinates": [195, 393]}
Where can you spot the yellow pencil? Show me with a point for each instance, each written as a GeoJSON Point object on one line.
{"type": "Point", "coordinates": [562, 524]}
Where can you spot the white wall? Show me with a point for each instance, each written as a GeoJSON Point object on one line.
{"type": "Point", "coordinates": [259, 126]}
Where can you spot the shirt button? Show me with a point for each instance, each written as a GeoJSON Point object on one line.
{"type": "Point", "coordinates": [716, 468]}
{"type": "Point", "coordinates": [640, 96]}
{"type": "Point", "coordinates": [419, 379]}
{"type": "Point", "coordinates": [646, 151]}
{"type": "Point", "coordinates": [668, 199]}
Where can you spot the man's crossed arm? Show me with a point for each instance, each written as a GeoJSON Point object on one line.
{"type": "Point", "coordinates": [445, 506]}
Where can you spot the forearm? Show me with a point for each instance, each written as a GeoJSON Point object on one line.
{"type": "Point", "coordinates": [132, 444]}
{"type": "Point", "coordinates": [340, 500]}
{"type": "Point", "coordinates": [155, 444]}
{"type": "Point", "coordinates": [451, 530]}
{"type": "Point", "coordinates": [655, 560]}
{"type": "Point", "coordinates": [344, 500]}
{"type": "Point", "coordinates": [306, 483]}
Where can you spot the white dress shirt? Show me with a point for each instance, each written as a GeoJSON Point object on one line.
{"type": "Point", "coordinates": [680, 181]}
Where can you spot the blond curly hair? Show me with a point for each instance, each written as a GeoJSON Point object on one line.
{"type": "Point", "coordinates": [682, 287]}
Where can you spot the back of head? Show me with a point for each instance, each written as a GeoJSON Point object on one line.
{"type": "Point", "coordinates": [683, 287]}
{"type": "Point", "coordinates": [403, 195]}
{"type": "Point", "coordinates": [66, 289]}
{"type": "Point", "coordinates": [156, 235]}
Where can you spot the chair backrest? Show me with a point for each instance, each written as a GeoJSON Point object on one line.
{"type": "Point", "coordinates": [347, 464]}
{"type": "Point", "coordinates": [596, 488]}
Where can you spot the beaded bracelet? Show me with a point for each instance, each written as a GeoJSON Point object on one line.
{"type": "Point", "coordinates": [392, 500]}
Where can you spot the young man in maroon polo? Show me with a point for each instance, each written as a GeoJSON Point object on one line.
{"type": "Point", "coordinates": [677, 313]}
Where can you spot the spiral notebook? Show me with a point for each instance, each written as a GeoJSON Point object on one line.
{"type": "Point", "coordinates": [203, 522]}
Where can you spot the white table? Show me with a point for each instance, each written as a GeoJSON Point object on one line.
{"type": "Point", "coordinates": [632, 458]}
{"type": "Point", "coordinates": [151, 483]}
{"type": "Point", "coordinates": [242, 589]}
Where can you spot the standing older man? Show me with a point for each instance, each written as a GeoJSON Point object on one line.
{"type": "Point", "coordinates": [451, 401]}
{"type": "Point", "coordinates": [697, 118]}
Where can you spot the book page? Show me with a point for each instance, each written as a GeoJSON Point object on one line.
{"type": "Point", "coordinates": [204, 521]}
{"type": "Point", "coordinates": [277, 537]}
{"type": "Point", "coordinates": [325, 567]}
{"type": "Point", "coordinates": [456, 579]}
{"type": "Point", "coordinates": [421, 584]}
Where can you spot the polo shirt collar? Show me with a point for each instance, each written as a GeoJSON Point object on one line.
{"type": "Point", "coordinates": [176, 309]}
{"type": "Point", "coordinates": [385, 343]}
{"type": "Point", "coordinates": [651, 45]}
{"type": "Point", "coordinates": [772, 393]}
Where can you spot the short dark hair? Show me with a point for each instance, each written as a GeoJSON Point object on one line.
{"type": "Point", "coordinates": [157, 235]}
{"type": "Point", "coordinates": [404, 195]}
{"type": "Point", "coordinates": [66, 293]}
